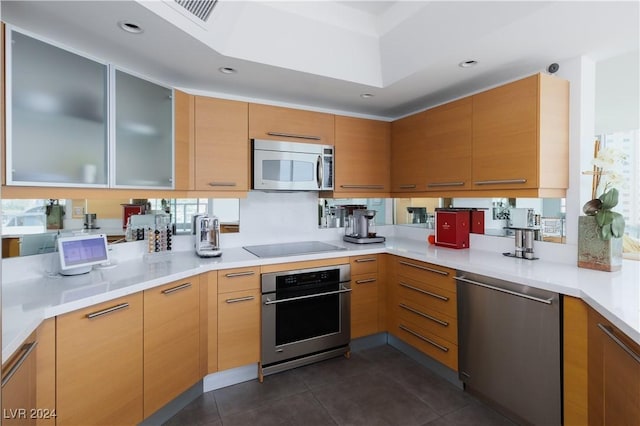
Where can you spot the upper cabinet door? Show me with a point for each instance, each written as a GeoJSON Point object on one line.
{"type": "Point", "coordinates": [362, 156]}
{"type": "Point", "coordinates": [143, 133]}
{"type": "Point", "coordinates": [222, 147]}
{"type": "Point", "coordinates": [295, 125]}
{"type": "Point", "coordinates": [408, 153]}
{"type": "Point", "coordinates": [56, 116]}
{"type": "Point", "coordinates": [448, 144]}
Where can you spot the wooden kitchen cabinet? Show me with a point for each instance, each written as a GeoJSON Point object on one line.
{"type": "Point", "coordinates": [208, 323]}
{"type": "Point", "coordinates": [238, 317]}
{"type": "Point", "coordinates": [521, 137]}
{"type": "Point", "coordinates": [365, 286]}
{"type": "Point", "coordinates": [19, 381]}
{"type": "Point", "coordinates": [448, 140]}
{"type": "Point", "coordinates": [575, 319]}
{"type": "Point", "coordinates": [362, 159]}
{"type": "Point", "coordinates": [222, 148]}
{"type": "Point", "coordinates": [408, 154]}
{"type": "Point", "coordinates": [614, 374]}
{"type": "Point", "coordinates": [171, 341]}
{"type": "Point", "coordinates": [424, 309]}
{"type": "Point", "coordinates": [288, 124]}
{"type": "Point", "coordinates": [99, 362]}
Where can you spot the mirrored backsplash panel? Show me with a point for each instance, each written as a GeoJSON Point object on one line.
{"type": "Point", "coordinates": [30, 226]}
{"type": "Point", "coordinates": [546, 214]}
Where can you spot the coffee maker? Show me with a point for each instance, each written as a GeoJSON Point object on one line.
{"type": "Point", "coordinates": [207, 236]}
{"type": "Point", "coordinates": [360, 228]}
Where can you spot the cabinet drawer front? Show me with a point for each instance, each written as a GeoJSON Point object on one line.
{"type": "Point", "coordinates": [427, 296]}
{"type": "Point", "coordinates": [280, 123]}
{"type": "Point", "coordinates": [238, 329]}
{"type": "Point", "coordinates": [435, 322]}
{"type": "Point", "coordinates": [238, 279]}
{"type": "Point", "coordinates": [367, 264]}
{"type": "Point", "coordinates": [426, 342]}
{"type": "Point", "coordinates": [428, 273]}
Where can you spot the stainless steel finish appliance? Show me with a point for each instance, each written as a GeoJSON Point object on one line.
{"type": "Point", "coordinates": [360, 228]}
{"type": "Point", "coordinates": [90, 221]}
{"type": "Point", "coordinates": [292, 166]}
{"type": "Point", "coordinates": [305, 316]}
{"type": "Point", "coordinates": [207, 236]}
{"type": "Point", "coordinates": [291, 249]}
{"type": "Point", "coordinates": [510, 347]}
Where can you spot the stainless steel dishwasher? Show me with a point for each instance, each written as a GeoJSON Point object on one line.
{"type": "Point", "coordinates": [510, 348]}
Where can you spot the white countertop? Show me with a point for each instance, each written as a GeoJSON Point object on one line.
{"type": "Point", "coordinates": [25, 304]}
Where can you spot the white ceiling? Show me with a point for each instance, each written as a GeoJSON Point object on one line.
{"type": "Point", "coordinates": [324, 54]}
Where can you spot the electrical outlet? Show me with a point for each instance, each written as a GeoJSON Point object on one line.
{"type": "Point", "coordinates": [78, 211]}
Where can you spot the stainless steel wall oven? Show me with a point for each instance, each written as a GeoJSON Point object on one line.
{"type": "Point", "coordinates": [305, 316]}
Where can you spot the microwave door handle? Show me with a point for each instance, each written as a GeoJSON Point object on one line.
{"type": "Point", "coordinates": [319, 172]}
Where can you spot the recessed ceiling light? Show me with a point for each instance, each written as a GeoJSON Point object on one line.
{"type": "Point", "coordinates": [227, 70]}
{"type": "Point", "coordinates": [468, 64]}
{"type": "Point", "coordinates": [367, 95]}
{"type": "Point", "coordinates": [130, 27]}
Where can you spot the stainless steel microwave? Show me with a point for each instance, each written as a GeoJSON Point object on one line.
{"type": "Point", "coordinates": [291, 166]}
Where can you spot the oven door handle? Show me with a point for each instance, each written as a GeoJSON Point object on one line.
{"type": "Point", "coordinates": [309, 296]}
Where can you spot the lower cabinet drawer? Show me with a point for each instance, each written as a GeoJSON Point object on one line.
{"type": "Point", "coordinates": [427, 296]}
{"type": "Point", "coordinates": [428, 343]}
{"type": "Point", "coordinates": [437, 323]}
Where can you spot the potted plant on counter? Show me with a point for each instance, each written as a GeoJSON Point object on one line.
{"type": "Point", "coordinates": [600, 232]}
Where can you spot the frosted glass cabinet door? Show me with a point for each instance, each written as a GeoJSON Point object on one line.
{"type": "Point", "coordinates": [57, 132]}
{"type": "Point", "coordinates": [143, 133]}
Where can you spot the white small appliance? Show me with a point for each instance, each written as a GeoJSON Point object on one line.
{"type": "Point", "coordinates": [78, 254]}
{"type": "Point", "coordinates": [207, 236]}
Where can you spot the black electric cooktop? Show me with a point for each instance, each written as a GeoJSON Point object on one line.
{"type": "Point", "coordinates": [291, 249]}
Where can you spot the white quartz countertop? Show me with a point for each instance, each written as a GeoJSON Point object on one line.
{"type": "Point", "coordinates": [26, 303]}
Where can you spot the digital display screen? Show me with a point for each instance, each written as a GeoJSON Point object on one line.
{"type": "Point", "coordinates": [83, 251]}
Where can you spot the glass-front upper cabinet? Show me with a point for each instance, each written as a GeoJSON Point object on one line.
{"type": "Point", "coordinates": [143, 133]}
{"type": "Point", "coordinates": [56, 116]}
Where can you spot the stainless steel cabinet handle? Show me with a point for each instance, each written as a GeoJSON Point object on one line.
{"type": "Point", "coordinates": [609, 332]}
{"type": "Point", "coordinates": [240, 299]}
{"type": "Point", "coordinates": [293, 135]}
{"type": "Point", "coordinates": [309, 296]}
{"type": "Point", "coordinates": [319, 172]}
{"type": "Point", "coordinates": [499, 181]}
{"type": "Point", "coordinates": [438, 184]}
{"type": "Point", "coordinates": [362, 186]}
{"type": "Point", "coordinates": [408, 186]}
{"type": "Point", "coordinates": [239, 274]}
{"type": "Point", "coordinates": [428, 293]}
{"type": "Point", "coordinates": [504, 290]}
{"type": "Point", "coordinates": [26, 350]}
{"type": "Point", "coordinates": [107, 311]}
{"type": "Point", "coordinates": [222, 184]}
{"type": "Point", "coordinates": [424, 268]}
{"type": "Point", "coordinates": [425, 339]}
{"type": "Point", "coordinates": [367, 281]}
{"type": "Point", "coordinates": [422, 314]}
{"type": "Point", "coordinates": [366, 259]}
{"type": "Point", "coordinates": [176, 288]}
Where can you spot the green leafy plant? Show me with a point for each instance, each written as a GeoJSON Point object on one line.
{"type": "Point", "coordinates": [611, 223]}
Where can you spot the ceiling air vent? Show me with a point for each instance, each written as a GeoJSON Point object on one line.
{"type": "Point", "coordinates": [199, 8]}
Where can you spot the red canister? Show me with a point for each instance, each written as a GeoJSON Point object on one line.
{"type": "Point", "coordinates": [452, 228]}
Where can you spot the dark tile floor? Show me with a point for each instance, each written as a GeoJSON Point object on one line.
{"type": "Point", "coordinates": [377, 386]}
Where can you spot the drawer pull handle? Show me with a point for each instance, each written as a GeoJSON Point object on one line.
{"type": "Point", "coordinates": [500, 181]}
{"type": "Point", "coordinates": [366, 259]}
{"type": "Point", "coordinates": [438, 184]}
{"type": "Point", "coordinates": [421, 337]}
{"type": "Point", "coordinates": [240, 299]}
{"type": "Point", "coordinates": [424, 268]}
{"type": "Point", "coordinates": [176, 288]}
{"type": "Point", "coordinates": [428, 293]}
{"type": "Point", "coordinates": [222, 184]}
{"type": "Point", "coordinates": [422, 314]}
{"type": "Point", "coordinates": [609, 332]}
{"type": "Point", "coordinates": [504, 290]}
{"type": "Point", "coordinates": [362, 186]}
{"type": "Point", "coordinates": [26, 350]}
{"type": "Point", "coordinates": [239, 274]}
{"type": "Point", "coordinates": [367, 281]}
{"type": "Point", "coordinates": [408, 186]}
{"type": "Point", "coordinates": [107, 311]}
{"type": "Point", "coordinates": [293, 135]}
